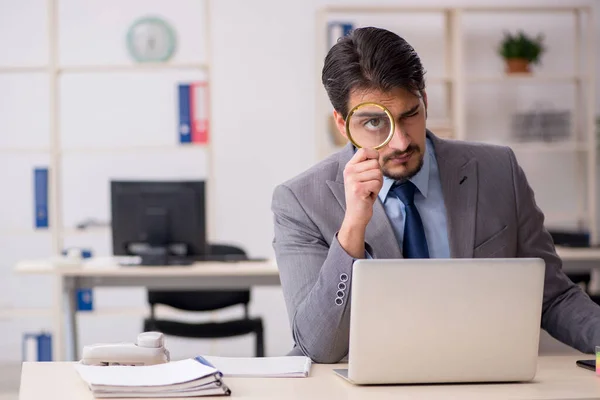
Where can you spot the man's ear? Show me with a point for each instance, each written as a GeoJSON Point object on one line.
{"type": "Point", "coordinates": [424, 95]}
{"type": "Point", "coordinates": [340, 123]}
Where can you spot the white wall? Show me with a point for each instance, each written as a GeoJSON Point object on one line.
{"type": "Point", "coordinates": [263, 73]}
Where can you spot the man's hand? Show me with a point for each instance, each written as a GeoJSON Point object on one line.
{"type": "Point", "coordinates": [363, 180]}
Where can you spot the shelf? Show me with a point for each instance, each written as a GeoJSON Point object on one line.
{"type": "Point", "coordinates": [478, 9]}
{"type": "Point", "coordinates": [23, 232]}
{"type": "Point", "coordinates": [524, 9]}
{"type": "Point", "coordinates": [578, 253]}
{"type": "Point", "coordinates": [22, 69]}
{"type": "Point", "coordinates": [526, 78]}
{"type": "Point", "coordinates": [553, 217]}
{"type": "Point", "coordinates": [383, 9]}
{"type": "Point", "coordinates": [437, 80]}
{"type": "Point", "coordinates": [541, 147]}
{"type": "Point", "coordinates": [120, 149]}
{"type": "Point", "coordinates": [71, 231]}
{"type": "Point", "coordinates": [118, 311]}
{"type": "Point", "coordinates": [130, 67]}
{"type": "Point", "coordinates": [14, 312]}
{"type": "Point", "coordinates": [126, 149]}
{"type": "Point", "coordinates": [105, 68]}
{"type": "Point", "coordinates": [24, 150]}
{"type": "Point", "coordinates": [98, 230]}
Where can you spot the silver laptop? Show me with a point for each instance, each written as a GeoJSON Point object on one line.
{"type": "Point", "coordinates": [445, 320]}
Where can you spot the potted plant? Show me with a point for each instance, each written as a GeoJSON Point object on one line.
{"type": "Point", "coordinates": [520, 51]}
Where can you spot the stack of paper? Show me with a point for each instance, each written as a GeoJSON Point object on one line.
{"type": "Point", "coordinates": [185, 378]}
{"type": "Point", "coordinates": [267, 367]}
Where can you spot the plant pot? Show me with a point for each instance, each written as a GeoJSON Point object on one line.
{"type": "Point", "coordinates": [517, 66]}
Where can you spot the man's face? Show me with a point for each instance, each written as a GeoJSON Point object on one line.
{"type": "Point", "coordinates": [403, 156]}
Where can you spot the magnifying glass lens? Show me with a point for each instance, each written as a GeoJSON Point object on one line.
{"type": "Point", "coordinates": [369, 126]}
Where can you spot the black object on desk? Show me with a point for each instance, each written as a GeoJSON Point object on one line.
{"type": "Point", "coordinates": [587, 364]}
{"type": "Point", "coordinates": [163, 222]}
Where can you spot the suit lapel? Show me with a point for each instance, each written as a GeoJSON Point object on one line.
{"type": "Point", "coordinates": [458, 175]}
{"type": "Point", "coordinates": [379, 234]}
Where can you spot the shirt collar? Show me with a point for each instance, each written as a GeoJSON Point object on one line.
{"type": "Point", "coordinates": [420, 180]}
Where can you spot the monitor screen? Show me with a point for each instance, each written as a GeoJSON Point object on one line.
{"type": "Point", "coordinates": [159, 220]}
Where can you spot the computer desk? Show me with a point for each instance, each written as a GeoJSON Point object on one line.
{"type": "Point", "coordinates": [579, 259]}
{"type": "Point", "coordinates": [557, 378]}
{"type": "Point", "coordinates": [202, 275]}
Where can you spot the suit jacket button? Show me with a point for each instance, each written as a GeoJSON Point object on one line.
{"type": "Point", "coordinates": [342, 286]}
{"type": "Point", "coordinates": [344, 277]}
{"type": "Point", "coordinates": [339, 301]}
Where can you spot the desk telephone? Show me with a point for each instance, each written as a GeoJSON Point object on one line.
{"type": "Point", "coordinates": [149, 349]}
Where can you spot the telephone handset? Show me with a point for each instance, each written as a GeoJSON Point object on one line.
{"type": "Point", "coordinates": [149, 349]}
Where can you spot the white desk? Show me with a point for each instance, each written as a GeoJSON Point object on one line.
{"type": "Point", "coordinates": [557, 378]}
{"type": "Point", "coordinates": [205, 275]}
{"type": "Point", "coordinates": [579, 259]}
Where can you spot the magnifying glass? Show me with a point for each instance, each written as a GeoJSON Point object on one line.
{"type": "Point", "coordinates": [370, 125]}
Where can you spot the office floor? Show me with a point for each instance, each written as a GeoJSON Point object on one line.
{"type": "Point", "coordinates": [10, 376]}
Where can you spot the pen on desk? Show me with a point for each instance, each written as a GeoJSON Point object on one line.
{"type": "Point", "coordinates": [204, 361]}
{"type": "Point", "coordinates": [218, 374]}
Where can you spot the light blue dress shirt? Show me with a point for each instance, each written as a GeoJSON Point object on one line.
{"type": "Point", "coordinates": [429, 200]}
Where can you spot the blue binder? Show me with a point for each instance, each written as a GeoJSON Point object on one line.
{"type": "Point", "coordinates": [44, 347]}
{"type": "Point", "coordinates": [37, 347]}
{"type": "Point", "coordinates": [40, 179]}
{"type": "Point", "coordinates": [336, 30]}
{"type": "Point", "coordinates": [85, 296]}
{"type": "Point", "coordinates": [185, 127]}
{"type": "Point", "coordinates": [85, 300]}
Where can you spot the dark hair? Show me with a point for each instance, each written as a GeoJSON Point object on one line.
{"type": "Point", "coordinates": [370, 58]}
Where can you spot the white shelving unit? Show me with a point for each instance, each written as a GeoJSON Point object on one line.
{"type": "Point", "coordinates": [56, 151]}
{"type": "Point", "coordinates": [457, 80]}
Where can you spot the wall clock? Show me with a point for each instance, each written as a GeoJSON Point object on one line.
{"type": "Point", "coordinates": [151, 39]}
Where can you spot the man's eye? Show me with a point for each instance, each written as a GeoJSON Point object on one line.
{"type": "Point", "coordinates": [373, 123]}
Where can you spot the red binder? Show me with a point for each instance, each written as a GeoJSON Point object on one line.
{"type": "Point", "coordinates": [199, 112]}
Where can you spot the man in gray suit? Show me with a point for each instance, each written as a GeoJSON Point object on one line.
{"type": "Point", "coordinates": [419, 196]}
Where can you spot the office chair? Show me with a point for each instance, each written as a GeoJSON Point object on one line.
{"type": "Point", "coordinates": [207, 300]}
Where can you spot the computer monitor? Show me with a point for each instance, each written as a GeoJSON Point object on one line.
{"type": "Point", "coordinates": [164, 222]}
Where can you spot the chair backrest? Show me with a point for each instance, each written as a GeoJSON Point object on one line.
{"type": "Point", "coordinates": [204, 300]}
{"type": "Point", "coordinates": [227, 251]}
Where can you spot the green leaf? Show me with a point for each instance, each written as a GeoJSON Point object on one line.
{"type": "Point", "coordinates": [520, 45]}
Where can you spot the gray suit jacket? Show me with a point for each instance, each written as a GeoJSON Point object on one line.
{"type": "Point", "coordinates": [492, 213]}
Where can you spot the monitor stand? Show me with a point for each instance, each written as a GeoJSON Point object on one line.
{"type": "Point", "coordinates": [156, 249]}
{"type": "Point", "coordinates": [153, 260]}
{"type": "Point", "coordinates": [153, 255]}
{"type": "Point", "coordinates": [220, 257]}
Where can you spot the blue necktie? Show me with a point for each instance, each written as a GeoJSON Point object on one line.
{"type": "Point", "coordinates": [414, 244]}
